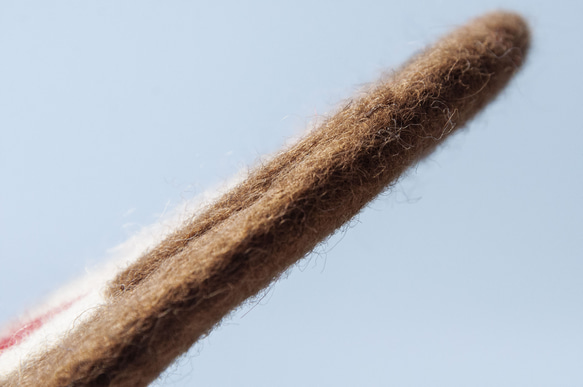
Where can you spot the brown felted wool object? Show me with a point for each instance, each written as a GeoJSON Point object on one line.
{"type": "Point", "coordinates": [180, 290]}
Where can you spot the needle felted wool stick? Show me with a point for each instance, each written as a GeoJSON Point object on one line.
{"type": "Point", "coordinates": [178, 291]}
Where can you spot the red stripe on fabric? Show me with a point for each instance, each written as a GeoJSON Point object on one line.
{"type": "Point", "coordinates": [20, 332]}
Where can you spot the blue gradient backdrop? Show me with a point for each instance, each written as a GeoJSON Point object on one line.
{"type": "Point", "coordinates": [469, 272]}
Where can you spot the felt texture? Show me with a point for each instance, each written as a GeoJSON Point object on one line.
{"type": "Point", "coordinates": [179, 290]}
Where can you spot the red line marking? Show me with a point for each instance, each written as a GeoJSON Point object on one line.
{"type": "Point", "coordinates": [18, 333]}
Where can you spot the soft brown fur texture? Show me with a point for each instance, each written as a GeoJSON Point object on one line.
{"type": "Point", "coordinates": [177, 292]}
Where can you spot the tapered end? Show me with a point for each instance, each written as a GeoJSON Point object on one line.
{"type": "Point", "coordinates": [509, 34]}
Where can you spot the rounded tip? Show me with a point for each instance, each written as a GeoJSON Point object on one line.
{"type": "Point", "coordinates": [508, 33]}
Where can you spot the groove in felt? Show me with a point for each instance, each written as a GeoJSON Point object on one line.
{"type": "Point", "coordinates": [181, 289]}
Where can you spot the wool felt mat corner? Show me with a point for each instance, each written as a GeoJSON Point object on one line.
{"type": "Point", "coordinates": [123, 327]}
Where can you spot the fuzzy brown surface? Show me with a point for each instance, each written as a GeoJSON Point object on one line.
{"type": "Point", "coordinates": [180, 290]}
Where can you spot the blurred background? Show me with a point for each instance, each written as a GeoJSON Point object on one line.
{"type": "Point", "coordinates": [467, 272]}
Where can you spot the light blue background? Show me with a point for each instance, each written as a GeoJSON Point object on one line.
{"type": "Point", "coordinates": [468, 273]}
